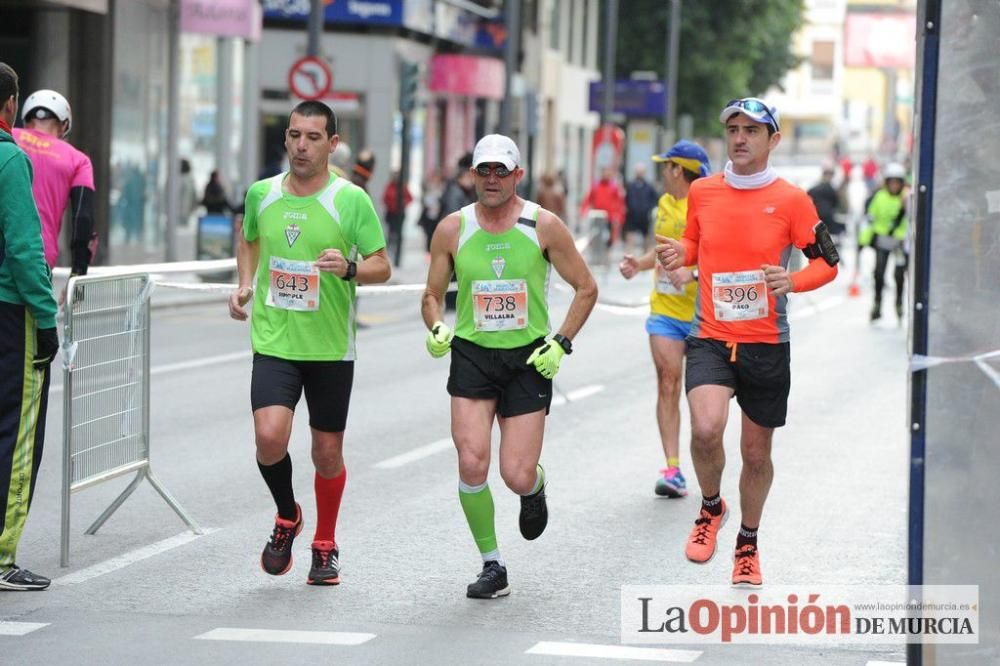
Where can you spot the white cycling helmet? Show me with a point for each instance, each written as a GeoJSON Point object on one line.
{"type": "Point", "coordinates": [52, 102]}
{"type": "Point", "coordinates": [894, 170]}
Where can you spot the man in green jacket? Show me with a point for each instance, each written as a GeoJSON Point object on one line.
{"type": "Point", "coordinates": [886, 232]}
{"type": "Point", "coordinates": [28, 342]}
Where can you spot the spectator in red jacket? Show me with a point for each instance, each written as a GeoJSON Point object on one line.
{"type": "Point", "coordinates": [394, 216]}
{"type": "Point", "coordinates": [607, 195]}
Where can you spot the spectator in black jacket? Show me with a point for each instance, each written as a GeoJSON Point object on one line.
{"type": "Point", "coordinates": [827, 202]}
{"type": "Point", "coordinates": [640, 199]}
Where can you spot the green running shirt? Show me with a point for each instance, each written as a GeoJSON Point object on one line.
{"type": "Point", "coordinates": [299, 312]}
{"type": "Point", "coordinates": [503, 282]}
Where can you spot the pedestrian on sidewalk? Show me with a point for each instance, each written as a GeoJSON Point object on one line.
{"type": "Point", "coordinates": [741, 226]}
{"type": "Point", "coordinates": [63, 177]}
{"type": "Point", "coordinates": [430, 211]}
{"type": "Point", "coordinates": [395, 215]}
{"type": "Point", "coordinates": [28, 343]}
{"type": "Point", "coordinates": [640, 199]}
{"type": "Point", "coordinates": [503, 358]}
{"type": "Point", "coordinates": [309, 237]}
{"type": "Point", "coordinates": [671, 306]}
{"type": "Point", "coordinates": [607, 195]}
{"type": "Point", "coordinates": [215, 198]}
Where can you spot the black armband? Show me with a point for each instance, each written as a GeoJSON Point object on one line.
{"type": "Point", "coordinates": [82, 202]}
{"type": "Point", "coordinates": [823, 247]}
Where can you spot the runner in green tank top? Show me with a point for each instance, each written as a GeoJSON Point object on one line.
{"type": "Point", "coordinates": [502, 249]}
{"type": "Point", "coordinates": [502, 282]}
{"type": "Point", "coordinates": [308, 237]}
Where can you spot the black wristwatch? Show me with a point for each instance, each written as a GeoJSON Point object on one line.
{"type": "Point", "coordinates": [352, 270]}
{"type": "Point", "coordinates": [564, 342]}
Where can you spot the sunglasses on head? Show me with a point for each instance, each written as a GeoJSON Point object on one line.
{"type": "Point", "coordinates": [753, 106]}
{"type": "Point", "coordinates": [498, 170]}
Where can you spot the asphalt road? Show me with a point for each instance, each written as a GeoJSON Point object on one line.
{"type": "Point", "coordinates": [144, 590]}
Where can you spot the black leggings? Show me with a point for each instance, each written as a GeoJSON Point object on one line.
{"type": "Point", "coordinates": [881, 261]}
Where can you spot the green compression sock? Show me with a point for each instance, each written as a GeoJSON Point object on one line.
{"type": "Point", "coordinates": [477, 503]}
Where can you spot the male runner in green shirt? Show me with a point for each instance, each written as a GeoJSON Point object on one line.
{"type": "Point", "coordinates": [502, 249]}
{"type": "Point", "coordinates": [308, 237]}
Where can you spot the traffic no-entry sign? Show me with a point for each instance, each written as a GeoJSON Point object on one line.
{"type": "Point", "coordinates": [310, 78]}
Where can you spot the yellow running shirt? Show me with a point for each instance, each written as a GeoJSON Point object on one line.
{"type": "Point", "coordinates": [671, 218]}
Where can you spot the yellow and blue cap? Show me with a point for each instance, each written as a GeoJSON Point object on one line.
{"type": "Point", "coordinates": [689, 155]}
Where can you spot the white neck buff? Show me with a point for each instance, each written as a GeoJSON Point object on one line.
{"type": "Point", "coordinates": [752, 182]}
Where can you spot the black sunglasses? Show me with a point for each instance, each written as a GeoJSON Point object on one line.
{"type": "Point", "coordinates": [753, 106]}
{"type": "Point", "coordinates": [500, 171]}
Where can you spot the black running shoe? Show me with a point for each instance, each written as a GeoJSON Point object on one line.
{"type": "Point", "coordinates": [534, 515]}
{"type": "Point", "coordinates": [20, 579]}
{"type": "Point", "coordinates": [326, 564]}
{"type": "Point", "coordinates": [277, 556]}
{"type": "Point", "coordinates": [492, 582]}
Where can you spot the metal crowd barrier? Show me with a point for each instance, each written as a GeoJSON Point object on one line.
{"type": "Point", "coordinates": [106, 335]}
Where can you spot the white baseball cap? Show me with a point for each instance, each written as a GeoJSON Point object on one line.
{"type": "Point", "coordinates": [496, 149]}
{"type": "Point", "coordinates": [755, 109]}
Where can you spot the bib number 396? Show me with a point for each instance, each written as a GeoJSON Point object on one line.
{"type": "Point", "coordinates": [294, 285]}
{"type": "Point", "coordinates": [739, 296]}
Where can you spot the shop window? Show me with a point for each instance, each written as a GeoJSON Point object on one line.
{"type": "Point", "coordinates": [822, 61]}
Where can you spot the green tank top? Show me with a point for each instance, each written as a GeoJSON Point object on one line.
{"type": "Point", "coordinates": [503, 282]}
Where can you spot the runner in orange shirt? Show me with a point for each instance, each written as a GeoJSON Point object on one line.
{"type": "Point", "coordinates": [741, 227]}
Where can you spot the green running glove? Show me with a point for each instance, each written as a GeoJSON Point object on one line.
{"type": "Point", "coordinates": [439, 339]}
{"type": "Point", "coordinates": [546, 359]}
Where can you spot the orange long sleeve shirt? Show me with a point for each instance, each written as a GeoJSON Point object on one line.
{"type": "Point", "coordinates": [730, 234]}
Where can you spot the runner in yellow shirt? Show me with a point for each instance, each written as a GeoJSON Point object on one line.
{"type": "Point", "coordinates": [671, 305]}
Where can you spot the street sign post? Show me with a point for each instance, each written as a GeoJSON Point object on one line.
{"type": "Point", "coordinates": [310, 78]}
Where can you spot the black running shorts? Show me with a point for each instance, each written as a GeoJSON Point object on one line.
{"type": "Point", "coordinates": [761, 375]}
{"type": "Point", "coordinates": [327, 385]}
{"type": "Point", "coordinates": [500, 374]}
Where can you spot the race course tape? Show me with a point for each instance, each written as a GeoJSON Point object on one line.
{"type": "Point", "coordinates": [920, 362]}
{"type": "Point", "coordinates": [223, 287]}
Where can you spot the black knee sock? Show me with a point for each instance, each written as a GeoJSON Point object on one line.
{"type": "Point", "coordinates": [747, 536]}
{"type": "Point", "coordinates": [712, 504]}
{"type": "Point", "coordinates": [278, 478]}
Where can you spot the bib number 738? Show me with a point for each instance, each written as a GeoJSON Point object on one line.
{"type": "Point", "coordinates": [500, 305]}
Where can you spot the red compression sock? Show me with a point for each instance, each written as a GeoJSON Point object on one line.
{"type": "Point", "coordinates": [328, 495]}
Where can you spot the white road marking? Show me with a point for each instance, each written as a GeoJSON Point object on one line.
{"type": "Point", "coordinates": [280, 636]}
{"type": "Point", "coordinates": [122, 561]}
{"type": "Point", "coordinates": [885, 663]}
{"type": "Point", "coordinates": [552, 648]}
{"type": "Point", "coordinates": [20, 628]}
{"type": "Point", "coordinates": [415, 454]}
{"type": "Point", "coordinates": [641, 310]}
{"type": "Point", "coordinates": [446, 444]}
{"type": "Point", "coordinates": [577, 394]}
{"type": "Point", "coordinates": [815, 308]}
{"type": "Point", "coordinates": [187, 365]}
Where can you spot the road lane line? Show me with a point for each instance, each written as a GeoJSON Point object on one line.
{"type": "Point", "coordinates": [188, 365]}
{"type": "Point", "coordinates": [122, 561]}
{"type": "Point", "coordinates": [815, 308]}
{"type": "Point", "coordinates": [415, 454]}
{"type": "Point", "coordinates": [577, 394]}
{"type": "Point", "coordinates": [282, 636]}
{"type": "Point", "coordinates": [446, 444]}
{"type": "Point", "coordinates": [885, 663]}
{"type": "Point", "coordinates": [20, 628]}
{"type": "Point", "coordinates": [556, 649]}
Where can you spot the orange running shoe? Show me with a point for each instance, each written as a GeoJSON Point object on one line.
{"type": "Point", "coordinates": [746, 567]}
{"type": "Point", "coordinates": [702, 540]}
